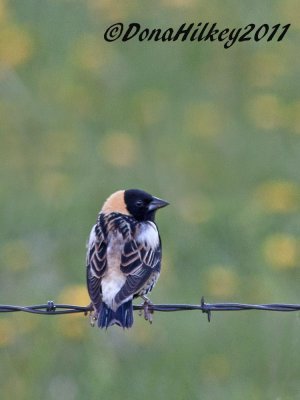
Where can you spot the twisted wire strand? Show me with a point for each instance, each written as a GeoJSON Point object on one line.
{"type": "Point", "coordinates": [52, 308]}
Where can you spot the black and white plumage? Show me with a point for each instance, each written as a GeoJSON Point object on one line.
{"type": "Point", "coordinates": [124, 255]}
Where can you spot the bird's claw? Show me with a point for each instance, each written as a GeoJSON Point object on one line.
{"type": "Point", "coordinates": [148, 312]}
{"type": "Point", "coordinates": [93, 318]}
{"type": "Point", "coordinates": [93, 315]}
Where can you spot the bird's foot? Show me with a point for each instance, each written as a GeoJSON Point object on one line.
{"type": "Point", "coordinates": [148, 312]}
{"type": "Point", "coordinates": [93, 314]}
{"type": "Point", "coordinates": [93, 318]}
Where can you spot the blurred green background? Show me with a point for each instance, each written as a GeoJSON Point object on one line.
{"type": "Point", "coordinates": [216, 132]}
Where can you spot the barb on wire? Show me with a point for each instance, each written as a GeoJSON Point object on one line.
{"type": "Point", "coordinates": [52, 308]}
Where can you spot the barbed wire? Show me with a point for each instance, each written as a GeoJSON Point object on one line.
{"type": "Point", "coordinates": [52, 308]}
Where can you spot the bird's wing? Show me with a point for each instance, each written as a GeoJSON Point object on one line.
{"type": "Point", "coordinates": [138, 261]}
{"type": "Point", "coordinates": [96, 263]}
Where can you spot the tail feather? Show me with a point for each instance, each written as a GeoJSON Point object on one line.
{"type": "Point", "coordinates": [123, 316]}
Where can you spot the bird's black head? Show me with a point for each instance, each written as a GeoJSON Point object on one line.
{"type": "Point", "coordinates": [142, 205]}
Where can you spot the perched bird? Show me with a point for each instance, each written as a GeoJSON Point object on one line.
{"type": "Point", "coordinates": [123, 256]}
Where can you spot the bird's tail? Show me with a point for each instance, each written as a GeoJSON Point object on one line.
{"type": "Point", "coordinates": [123, 316]}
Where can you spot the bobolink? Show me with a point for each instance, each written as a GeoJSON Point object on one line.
{"type": "Point", "coordinates": [123, 256]}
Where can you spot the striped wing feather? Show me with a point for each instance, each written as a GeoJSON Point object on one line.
{"type": "Point", "coordinates": [138, 262]}
{"type": "Point", "coordinates": [96, 264]}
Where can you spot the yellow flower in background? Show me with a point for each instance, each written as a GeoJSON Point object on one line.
{"type": "Point", "coordinates": [15, 46]}
{"type": "Point", "coordinates": [195, 209]}
{"type": "Point", "coordinates": [7, 332]}
{"type": "Point", "coordinates": [222, 281]}
{"type": "Point", "coordinates": [203, 120]}
{"type": "Point", "coordinates": [16, 255]}
{"type": "Point", "coordinates": [74, 294]}
{"type": "Point", "coordinates": [278, 196]}
{"type": "Point", "coordinates": [266, 111]}
{"type": "Point", "coordinates": [281, 251]}
{"type": "Point", "coordinates": [74, 326]}
{"type": "Point", "coordinates": [119, 149]}
{"type": "Point", "coordinates": [15, 326]}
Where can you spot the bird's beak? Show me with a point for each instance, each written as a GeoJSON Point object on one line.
{"type": "Point", "coordinates": [157, 203]}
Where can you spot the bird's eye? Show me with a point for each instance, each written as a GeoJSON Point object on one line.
{"type": "Point", "coordinates": [139, 203]}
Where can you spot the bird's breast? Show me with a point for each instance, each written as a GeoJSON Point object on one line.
{"type": "Point", "coordinates": [147, 234]}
